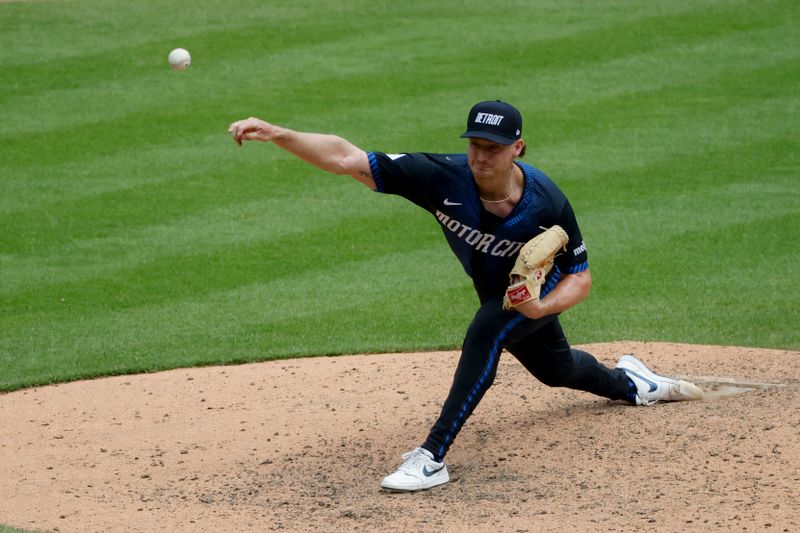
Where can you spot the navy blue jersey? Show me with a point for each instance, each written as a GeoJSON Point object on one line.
{"type": "Point", "coordinates": [485, 244]}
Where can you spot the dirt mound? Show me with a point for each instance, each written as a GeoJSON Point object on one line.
{"type": "Point", "coordinates": [302, 445]}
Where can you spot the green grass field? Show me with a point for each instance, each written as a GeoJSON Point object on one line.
{"type": "Point", "coordinates": [136, 236]}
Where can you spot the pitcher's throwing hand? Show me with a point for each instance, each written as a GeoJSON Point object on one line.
{"type": "Point", "coordinates": [253, 129]}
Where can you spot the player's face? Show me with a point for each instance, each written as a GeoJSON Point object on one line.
{"type": "Point", "coordinates": [489, 160]}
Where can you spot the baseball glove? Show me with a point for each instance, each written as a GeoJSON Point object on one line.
{"type": "Point", "coordinates": [534, 261]}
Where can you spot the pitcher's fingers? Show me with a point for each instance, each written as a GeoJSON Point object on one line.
{"type": "Point", "coordinates": [236, 132]}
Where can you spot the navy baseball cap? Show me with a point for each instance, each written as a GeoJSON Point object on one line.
{"type": "Point", "coordinates": [494, 121]}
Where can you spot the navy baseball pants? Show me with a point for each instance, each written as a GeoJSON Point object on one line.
{"type": "Point", "coordinates": [541, 347]}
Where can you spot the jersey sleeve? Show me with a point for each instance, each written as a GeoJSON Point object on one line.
{"type": "Point", "coordinates": [407, 175]}
{"type": "Point", "coordinates": [575, 259]}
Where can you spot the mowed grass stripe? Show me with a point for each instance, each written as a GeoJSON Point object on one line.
{"type": "Point", "coordinates": [85, 242]}
{"type": "Point", "coordinates": [196, 272]}
{"type": "Point", "coordinates": [669, 154]}
{"type": "Point", "coordinates": [235, 325]}
{"type": "Point", "coordinates": [200, 188]}
{"type": "Point", "coordinates": [629, 163]}
{"type": "Point", "coordinates": [706, 191]}
{"type": "Point", "coordinates": [649, 98]}
{"type": "Point", "coordinates": [713, 292]}
{"type": "Point", "coordinates": [54, 183]}
{"type": "Point", "coordinates": [549, 67]}
{"type": "Point", "coordinates": [558, 89]}
{"type": "Point", "coordinates": [125, 51]}
{"type": "Point", "coordinates": [272, 217]}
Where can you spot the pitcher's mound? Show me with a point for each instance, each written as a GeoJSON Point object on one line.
{"type": "Point", "coordinates": [302, 445]}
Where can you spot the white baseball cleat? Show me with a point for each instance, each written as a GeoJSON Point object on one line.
{"type": "Point", "coordinates": [418, 472]}
{"type": "Point", "coordinates": [652, 388]}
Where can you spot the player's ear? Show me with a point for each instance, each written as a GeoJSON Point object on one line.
{"type": "Point", "coordinates": [519, 148]}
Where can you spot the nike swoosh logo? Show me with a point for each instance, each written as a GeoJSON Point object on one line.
{"type": "Point", "coordinates": [428, 473]}
{"type": "Point", "coordinates": [653, 385]}
{"type": "Point", "coordinates": [448, 202]}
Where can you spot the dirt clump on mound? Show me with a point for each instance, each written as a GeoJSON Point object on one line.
{"type": "Point", "coordinates": [302, 445]}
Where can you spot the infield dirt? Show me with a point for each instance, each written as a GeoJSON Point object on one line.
{"type": "Point", "coordinates": [301, 445]}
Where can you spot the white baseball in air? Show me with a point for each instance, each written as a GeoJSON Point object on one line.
{"type": "Point", "coordinates": [179, 59]}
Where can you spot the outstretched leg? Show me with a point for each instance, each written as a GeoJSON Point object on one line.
{"type": "Point", "coordinates": [548, 356]}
